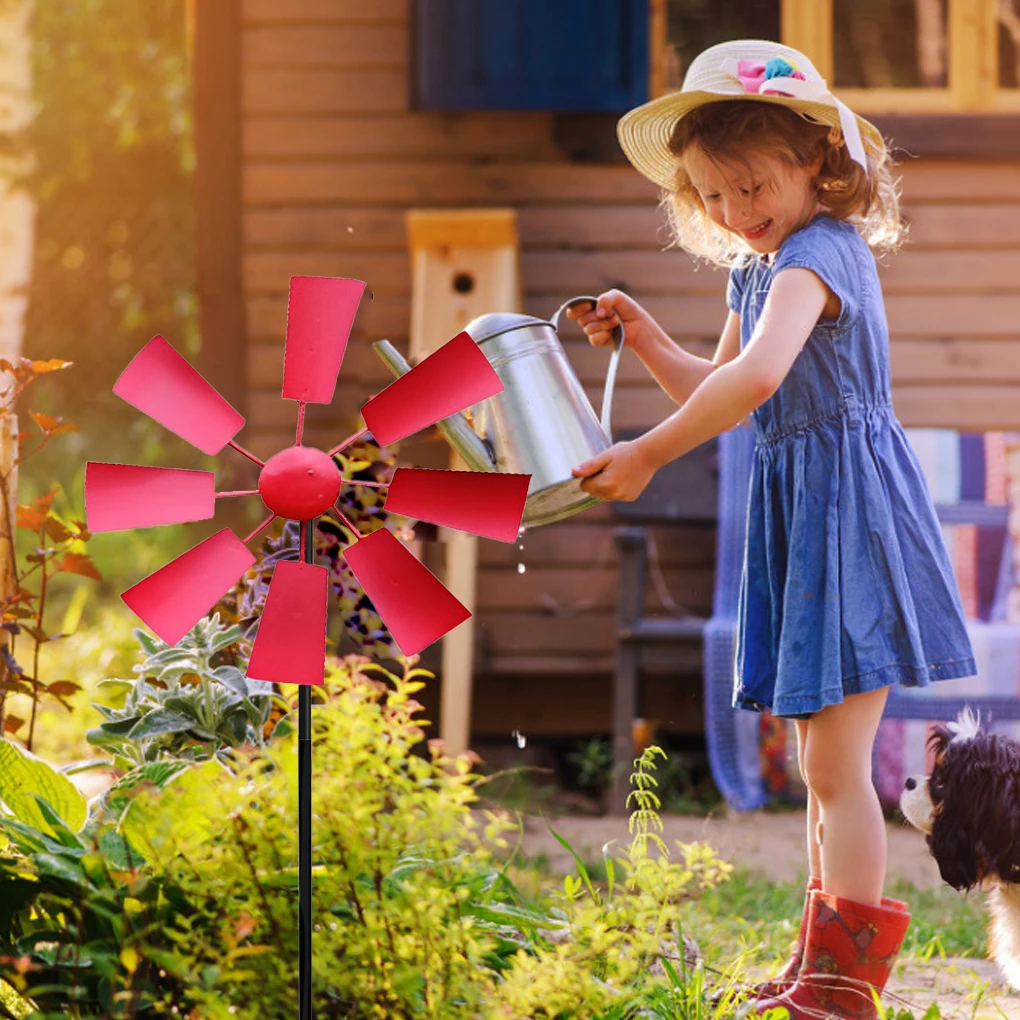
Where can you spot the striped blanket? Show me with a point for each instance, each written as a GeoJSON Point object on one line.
{"type": "Point", "coordinates": [974, 479]}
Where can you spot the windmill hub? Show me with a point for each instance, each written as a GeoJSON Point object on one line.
{"type": "Point", "coordinates": [300, 483]}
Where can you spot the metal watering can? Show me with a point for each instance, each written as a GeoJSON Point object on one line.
{"type": "Point", "coordinates": [541, 424]}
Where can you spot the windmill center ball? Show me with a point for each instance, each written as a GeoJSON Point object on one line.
{"type": "Point", "coordinates": [299, 483]}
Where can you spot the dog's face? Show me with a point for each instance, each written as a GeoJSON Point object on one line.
{"type": "Point", "coordinates": [916, 803]}
{"type": "Point", "coordinates": [969, 806]}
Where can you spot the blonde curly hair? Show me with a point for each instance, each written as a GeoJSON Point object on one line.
{"type": "Point", "coordinates": [729, 129]}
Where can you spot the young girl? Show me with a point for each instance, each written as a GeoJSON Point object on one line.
{"type": "Point", "coordinates": [847, 587]}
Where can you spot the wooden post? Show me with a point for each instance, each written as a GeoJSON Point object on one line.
{"type": "Point", "coordinates": [973, 53]}
{"type": "Point", "coordinates": [464, 264]}
{"type": "Point", "coordinates": [806, 25]}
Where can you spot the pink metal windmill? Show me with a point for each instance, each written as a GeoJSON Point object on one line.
{"type": "Point", "coordinates": [302, 483]}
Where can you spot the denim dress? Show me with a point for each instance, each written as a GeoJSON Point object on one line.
{"type": "Point", "coordinates": [847, 585]}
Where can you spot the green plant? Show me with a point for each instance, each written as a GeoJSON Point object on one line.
{"type": "Point", "coordinates": [593, 760]}
{"type": "Point", "coordinates": [178, 896]}
{"type": "Point", "coordinates": [417, 915]}
{"type": "Point", "coordinates": [186, 702]}
{"type": "Point", "coordinates": [57, 547]}
{"type": "Point", "coordinates": [623, 947]}
{"type": "Point", "coordinates": [81, 921]}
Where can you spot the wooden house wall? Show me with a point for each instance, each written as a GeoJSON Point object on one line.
{"type": "Point", "coordinates": [333, 157]}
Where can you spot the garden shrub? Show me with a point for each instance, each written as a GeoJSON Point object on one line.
{"type": "Point", "coordinates": [182, 889]}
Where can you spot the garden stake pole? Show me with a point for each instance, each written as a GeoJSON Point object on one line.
{"type": "Point", "coordinates": [305, 820]}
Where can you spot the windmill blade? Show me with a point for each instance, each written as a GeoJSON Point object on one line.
{"type": "Point", "coordinates": [320, 312]}
{"type": "Point", "coordinates": [174, 598]}
{"type": "Point", "coordinates": [290, 646]}
{"type": "Point", "coordinates": [122, 496]}
{"type": "Point", "coordinates": [164, 385]}
{"type": "Point", "coordinates": [448, 380]}
{"type": "Point", "coordinates": [413, 604]}
{"type": "Point", "coordinates": [479, 502]}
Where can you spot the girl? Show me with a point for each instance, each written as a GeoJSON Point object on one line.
{"type": "Point", "coordinates": [847, 587]}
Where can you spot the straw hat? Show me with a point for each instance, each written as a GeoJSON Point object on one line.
{"type": "Point", "coordinates": [754, 69]}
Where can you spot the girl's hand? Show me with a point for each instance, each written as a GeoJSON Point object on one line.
{"type": "Point", "coordinates": [620, 473]}
{"type": "Point", "coordinates": [613, 307]}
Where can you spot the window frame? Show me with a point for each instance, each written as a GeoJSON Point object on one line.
{"type": "Point", "coordinates": [807, 25]}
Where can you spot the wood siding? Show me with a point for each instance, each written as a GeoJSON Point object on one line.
{"type": "Point", "coordinates": [332, 159]}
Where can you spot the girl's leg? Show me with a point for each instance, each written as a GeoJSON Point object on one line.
{"type": "Point", "coordinates": [837, 765]}
{"type": "Point", "coordinates": [814, 850]}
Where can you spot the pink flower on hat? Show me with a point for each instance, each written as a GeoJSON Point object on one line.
{"type": "Point", "coordinates": [754, 73]}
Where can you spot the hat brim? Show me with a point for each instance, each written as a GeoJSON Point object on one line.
{"type": "Point", "coordinates": [645, 131]}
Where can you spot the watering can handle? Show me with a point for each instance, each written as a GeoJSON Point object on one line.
{"type": "Point", "coordinates": [614, 361]}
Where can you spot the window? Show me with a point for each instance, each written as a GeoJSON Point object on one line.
{"type": "Point", "coordinates": [881, 56]}
{"type": "Point", "coordinates": [694, 25]}
{"type": "Point", "coordinates": [577, 55]}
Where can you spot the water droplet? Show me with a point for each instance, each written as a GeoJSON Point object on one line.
{"type": "Point", "coordinates": [521, 739]}
{"type": "Point", "coordinates": [521, 547]}
{"type": "Point", "coordinates": [521, 568]}
{"type": "Point", "coordinates": [521, 532]}
{"type": "Point", "coordinates": [350, 230]}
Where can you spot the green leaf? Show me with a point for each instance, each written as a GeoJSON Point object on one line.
{"type": "Point", "coordinates": [283, 728]}
{"type": "Point", "coordinates": [227, 637]}
{"type": "Point", "coordinates": [116, 681]}
{"type": "Point", "coordinates": [63, 834]}
{"type": "Point", "coordinates": [161, 721]}
{"type": "Point", "coordinates": [85, 766]}
{"type": "Point", "coordinates": [169, 655]}
{"type": "Point", "coordinates": [183, 703]}
{"type": "Point", "coordinates": [113, 728]}
{"type": "Point", "coordinates": [256, 716]}
{"type": "Point", "coordinates": [23, 776]}
{"type": "Point", "coordinates": [116, 849]}
{"type": "Point", "coordinates": [235, 727]}
{"type": "Point", "coordinates": [511, 915]}
{"type": "Point", "coordinates": [153, 773]}
{"type": "Point", "coordinates": [232, 677]}
{"type": "Point", "coordinates": [61, 867]}
{"type": "Point", "coordinates": [144, 822]}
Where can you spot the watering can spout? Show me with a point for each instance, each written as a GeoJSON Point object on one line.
{"type": "Point", "coordinates": [456, 430]}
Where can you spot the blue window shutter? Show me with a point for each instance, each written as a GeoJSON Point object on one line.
{"type": "Point", "coordinates": [569, 55]}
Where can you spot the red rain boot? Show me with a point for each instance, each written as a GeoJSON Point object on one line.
{"type": "Point", "coordinates": [850, 950]}
{"type": "Point", "coordinates": [785, 978]}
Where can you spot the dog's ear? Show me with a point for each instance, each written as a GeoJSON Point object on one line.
{"type": "Point", "coordinates": [1000, 790]}
{"type": "Point", "coordinates": [963, 809]}
{"type": "Point", "coordinates": [961, 863]}
{"type": "Point", "coordinates": [938, 740]}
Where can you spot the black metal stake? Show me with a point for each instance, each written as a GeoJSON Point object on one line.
{"type": "Point", "coordinates": [305, 824]}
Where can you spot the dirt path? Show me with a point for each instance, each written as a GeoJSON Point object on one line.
{"type": "Point", "coordinates": [773, 845]}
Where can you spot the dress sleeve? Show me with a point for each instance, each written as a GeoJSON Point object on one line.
{"type": "Point", "coordinates": [828, 249]}
{"type": "Point", "coordinates": [735, 288]}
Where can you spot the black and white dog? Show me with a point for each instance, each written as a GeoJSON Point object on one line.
{"type": "Point", "coordinates": [970, 809]}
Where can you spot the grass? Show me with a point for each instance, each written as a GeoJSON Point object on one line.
{"type": "Point", "coordinates": [759, 918]}
{"type": "Point", "coordinates": [750, 915]}
{"type": "Point", "coordinates": [745, 927]}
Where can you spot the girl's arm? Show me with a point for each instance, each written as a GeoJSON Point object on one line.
{"type": "Point", "coordinates": [677, 372]}
{"type": "Point", "coordinates": [727, 395]}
